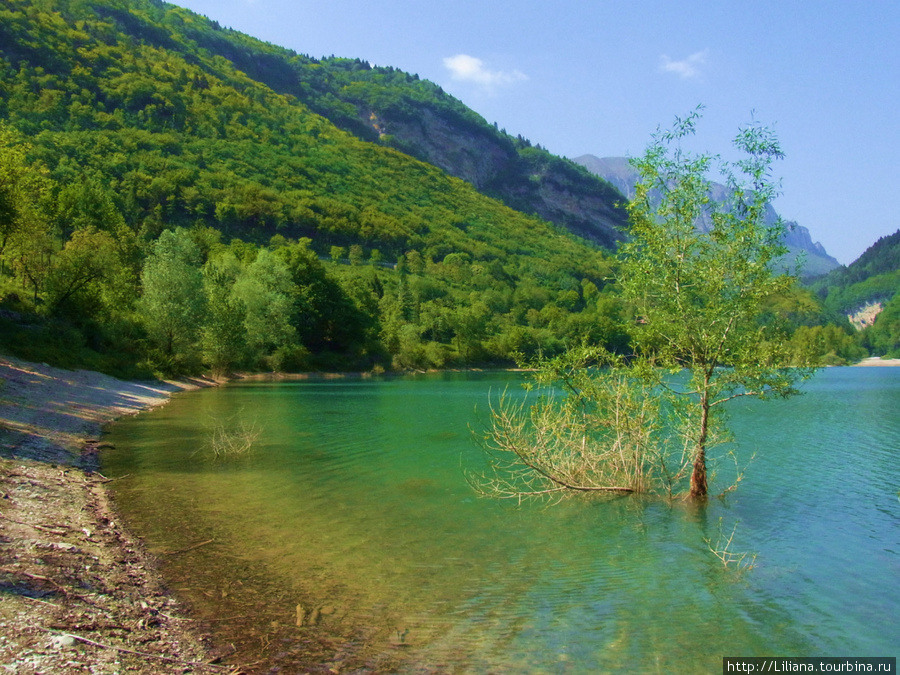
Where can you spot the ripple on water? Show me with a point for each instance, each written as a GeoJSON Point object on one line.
{"type": "Point", "coordinates": [355, 498]}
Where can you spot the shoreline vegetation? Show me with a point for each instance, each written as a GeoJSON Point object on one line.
{"type": "Point", "coordinates": [78, 590]}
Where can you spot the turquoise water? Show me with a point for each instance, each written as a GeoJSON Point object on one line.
{"type": "Point", "coordinates": [353, 503]}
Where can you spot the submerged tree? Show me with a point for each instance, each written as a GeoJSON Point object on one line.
{"type": "Point", "coordinates": [596, 427]}
{"type": "Point", "coordinates": [698, 339]}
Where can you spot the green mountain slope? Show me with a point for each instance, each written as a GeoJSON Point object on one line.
{"type": "Point", "coordinates": [396, 109]}
{"type": "Point", "coordinates": [123, 90]}
{"type": "Point", "coordinates": [873, 277]}
{"type": "Point", "coordinates": [868, 290]}
{"type": "Point", "coordinates": [134, 119]}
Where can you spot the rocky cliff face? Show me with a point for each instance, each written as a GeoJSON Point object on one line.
{"type": "Point", "coordinates": [464, 151]}
{"type": "Point", "coordinates": [524, 178]}
{"type": "Point", "coordinates": [618, 172]}
{"type": "Point", "coordinates": [563, 193]}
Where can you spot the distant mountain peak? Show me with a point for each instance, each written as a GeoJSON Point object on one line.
{"type": "Point", "coordinates": [618, 172]}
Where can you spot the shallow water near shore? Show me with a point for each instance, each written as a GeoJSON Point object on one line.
{"type": "Point", "coordinates": [351, 515]}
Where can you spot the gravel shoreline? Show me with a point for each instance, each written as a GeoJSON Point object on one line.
{"type": "Point", "coordinates": [77, 591]}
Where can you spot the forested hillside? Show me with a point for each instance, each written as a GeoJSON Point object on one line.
{"type": "Point", "coordinates": [137, 162]}
{"type": "Point", "coordinates": [871, 282]}
{"type": "Point", "coordinates": [177, 197]}
{"type": "Point", "coordinates": [397, 109]}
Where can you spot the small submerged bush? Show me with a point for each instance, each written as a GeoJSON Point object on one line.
{"type": "Point", "coordinates": [235, 437]}
{"type": "Point", "coordinates": [722, 549]}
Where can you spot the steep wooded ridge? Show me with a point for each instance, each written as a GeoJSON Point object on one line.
{"type": "Point", "coordinates": [120, 121]}
{"type": "Point", "coordinates": [379, 105]}
{"type": "Point", "coordinates": [397, 109]}
{"type": "Point", "coordinates": [881, 258]}
{"type": "Point", "coordinates": [868, 291]}
{"type": "Point", "coordinates": [163, 104]}
{"type": "Point", "coordinates": [619, 173]}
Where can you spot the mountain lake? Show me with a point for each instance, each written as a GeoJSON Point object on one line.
{"type": "Point", "coordinates": [348, 534]}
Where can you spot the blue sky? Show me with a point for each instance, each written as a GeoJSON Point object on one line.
{"type": "Point", "coordinates": [599, 76]}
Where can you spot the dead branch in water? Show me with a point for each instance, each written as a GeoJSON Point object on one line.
{"type": "Point", "coordinates": [191, 548]}
{"type": "Point", "coordinates": [231, 438]}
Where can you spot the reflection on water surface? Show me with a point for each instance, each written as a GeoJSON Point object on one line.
{"type": "Point", "coordinates": [351, 516]}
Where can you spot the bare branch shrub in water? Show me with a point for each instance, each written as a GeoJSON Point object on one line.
{"type": "Point", "coordinates": [595, 422]}
{"type": "Point", "coordinates": [722, 550]}
{"type": "Point", "coordinates": [234, 437]}
{"type": "Point", "coordinates": [595, 431]}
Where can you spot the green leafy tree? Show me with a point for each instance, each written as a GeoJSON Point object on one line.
{"type": "Point", "coordinates": [698, 340]}
{"type": "Point", "coordinates": [79, 272]}
{"type": "Point", "coordinates": [356, 255]}
{"type": "Point", "coordinates": [172, 305]}
{"type": "Point", "coordinates": [23, 187]}
{"type": "Point", "coordinates": [470, 325]}
{"type": "Point", "coordinates": [329, 319]}
{"type": "Point", "coordinates": [268, 294]}
{"type": "Point", "coordinates": [415, 262]}
{"type": "Point", "coordinates": [827, 345]}
{"type": "Point", "coordinates": [86, 203]}
{"type": "Point", "coordinates": [699, 295]}
{"type": "Point", "coordinates": [34, 252]}
{"type": "Point", "coordinates": [223, 341]}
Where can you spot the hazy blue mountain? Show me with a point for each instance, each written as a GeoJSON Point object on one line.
{"type": "Point", "coordinates": [620, 174]}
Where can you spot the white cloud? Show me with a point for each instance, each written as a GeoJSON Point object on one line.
{"type": "Point", "coordinates": [686, 68]}
{"type": "Point", "coordinates": [465, 68]}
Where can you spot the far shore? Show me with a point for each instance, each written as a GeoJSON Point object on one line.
{"type": "Point", "coordinates": [877, 361]}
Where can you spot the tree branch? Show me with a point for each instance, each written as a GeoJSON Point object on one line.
{"type": "Point", "coordinates": [123, 650]}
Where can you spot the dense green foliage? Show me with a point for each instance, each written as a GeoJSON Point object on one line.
{"type": "Point", "coordinates": [883, 336]}
{"type": "Point", "coordinates": [109, 64]}
{"type": "Point", "coordinates": [700, 295]}
{"type": "Point", "coordinates": [873, 278]}
{"type": "Point", "coordinates": [883, 257]}
{"type": "Point", "coordinates": [390, 107]}
{"type": "Point", "coordinates": [125, 140]}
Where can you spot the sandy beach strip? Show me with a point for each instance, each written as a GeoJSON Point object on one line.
{"type": "Point", "coordinates": [878, 361]}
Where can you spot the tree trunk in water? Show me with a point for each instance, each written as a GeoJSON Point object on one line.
{"type": "Point", "coordinates": [699, 486]}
